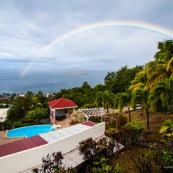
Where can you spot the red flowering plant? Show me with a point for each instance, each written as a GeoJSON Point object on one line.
{"type": "Point", "coordinates": [127, 135]}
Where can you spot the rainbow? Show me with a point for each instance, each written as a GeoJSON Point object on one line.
{"type": "Point", "coordinates": [141, 25]}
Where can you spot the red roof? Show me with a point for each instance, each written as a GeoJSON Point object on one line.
{"type": "Point", "coordinates": [62, 103]}
{"type": "Point", "coordinates": [88, 123]}
{"type": "Point", "coordinates": [20, 145]}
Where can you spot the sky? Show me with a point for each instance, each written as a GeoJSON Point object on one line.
{"type": "Point", "coordinates": [81, 34]}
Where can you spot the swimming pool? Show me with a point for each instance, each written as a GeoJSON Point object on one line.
{"type": "Point", "coordinates": [29, 131]}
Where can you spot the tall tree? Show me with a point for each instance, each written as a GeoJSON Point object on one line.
{"type": "Point", "coordinates": [105, 99]}
{"type": "Point", "coordinates": [162, 95]}
{"type": "Point", "coordinates": [139, 81]}
{"type": "Point", "coordinates": [123, 99]}
{"type": "Point", "coordinates": [120, 80]}
{"type": "Point", "coordinates": [169, 66]}
{"type": "Point", "coordinates": [143, 96]}
{"type": "Point", "coordinates": [155, 71]}
{"type": "Point", "coordinates": [165, 52]}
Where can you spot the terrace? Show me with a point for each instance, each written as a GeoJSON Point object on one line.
{"type": "Point", "coordinates": [32, 149]}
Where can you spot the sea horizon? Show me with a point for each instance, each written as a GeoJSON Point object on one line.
{"type": "Point", "coordinates": [48, 81]}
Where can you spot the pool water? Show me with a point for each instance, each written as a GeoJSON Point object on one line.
{"type": "Point", "coordinates": [29, 131]}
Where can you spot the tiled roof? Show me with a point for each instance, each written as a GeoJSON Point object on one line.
{"type": "Point", "coordinates": [62, 103]}
{"type": "Point", "coordinates": [88, 123]}
{"type": "Point", "coordinates": [21, 145]}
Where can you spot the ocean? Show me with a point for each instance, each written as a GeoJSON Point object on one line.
{"type": "Point", "coordinates": [47, 81]}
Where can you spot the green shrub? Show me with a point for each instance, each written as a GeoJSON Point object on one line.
{"type": "Point", "coordinates": [167, 130]}
{"type": "Point", "coordinates": [37, 113]}
{"type": "Point", "coordinates": [89, 105]}
{"type": "Point", "coordinates": [112, 133]}
{"type": "Point", "coordinates": [92, 149]}
{"type": "Point", "coordinates": [69, 170]}
{"type": "Point", "coordinates": [6, 125]}
{"type": "Point", "coordinates": [51, 163]}
{"type": "Point", "coordinates": [142, 162]}
{"type": "Point", "coordinates": [100, 166]}
{"type": "Point", "coordinates": [136, 129]}
{"type": "Point", "coordinates": [163, 158]}
{"type": "Point", "coordinates": [78, 116]}
{"type": "Point", "coordinates": [95, 119]}
{"type": "Point", "coordinates": [117, 169]}
{"type": "Point", "coordinates": [121, 120]}
{"type": "Point", "coordinates": [129, 134]}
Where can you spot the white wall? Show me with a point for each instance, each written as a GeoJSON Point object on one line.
{"type": "Point", "coordinates": [24, 160]}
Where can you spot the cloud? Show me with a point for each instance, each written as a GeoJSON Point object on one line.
{"type": "Point", "coordinates": [27, 27]}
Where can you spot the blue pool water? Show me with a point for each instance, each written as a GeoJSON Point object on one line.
{"type": "Point", "coordinates": [29, 131]}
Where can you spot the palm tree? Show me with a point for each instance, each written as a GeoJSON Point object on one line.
{"type": "Point", "coordinates": [163, 93]}
{"type": "Point", "coordinates": [156, 71]}
{"type": "Point", "coordinates": [169, 67]}
{"type": "Point", "coordinates": [123, 99]}
{"type": "Point", "coordinates": [142, 95]}
{"type": "Point", "coordinates": [105, 99]}
{"type": "Point", "coordinates": [162, 67]}
{"type": "Point", "coordinates": [165, 52]}
{"type": "Point", "coordinates": [139, 81]}
{"type": "Point", "coordinates": [165, 55]}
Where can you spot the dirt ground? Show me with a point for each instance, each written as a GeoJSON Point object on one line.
{"type": "Point", "coordinates": [156, 121]}
{"type": "Point", "coordinates": [156, 118]}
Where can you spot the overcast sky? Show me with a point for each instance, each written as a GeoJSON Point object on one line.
{"type": "Point", "coordinates": [81, 34]}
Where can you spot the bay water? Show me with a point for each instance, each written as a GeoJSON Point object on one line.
{"type": "Point", "coordinates": [47, 81]}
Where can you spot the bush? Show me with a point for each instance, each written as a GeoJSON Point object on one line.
{"type": "Point", "coordinates": [98, 153]}
{"type": "Point", "coordinates": [78, 116]}
{"type": "Point", "coordinates": [117, 169]}
{"type": "Point", "coordinates": [122, 136]}
{"type": "Point", "coordinates": [136, 129]}
{"type": "Point", "coordinates": [100, 166]}
{"type": "Point", "coordinates": [95, 119]}
{"type": "Point", "coordinates": [50, 163]}
{"type": "Point", "coordinates": [89, 105]}
{"type": "Point", "coordinates": [96, 149]}
{"type": "Point", "coordinates": [129, 134]}
{"type": "Point", "coordinates": [69, 170]}
{"type": "Point", "coordinates": [112, 133]}
{"type": "Point", "coordinates": [167, 130]}
{"type": "Point", "coordinates": [36, 114]}
{"type": "Point", "coordinates": [142, 162]}
{"type": "Point", "coordinates": [122, 120]}
{"type": "Point", "coordinates": [163, 158]}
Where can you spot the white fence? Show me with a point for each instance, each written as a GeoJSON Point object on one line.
{"type": "Point", "coordinates": [24, 160]}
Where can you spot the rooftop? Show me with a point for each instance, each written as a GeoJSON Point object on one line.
{"type": "Point", "coordinates": [62, 103]}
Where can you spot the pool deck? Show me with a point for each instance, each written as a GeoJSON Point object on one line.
{"type": "Point", "coordinates": [64, 123]}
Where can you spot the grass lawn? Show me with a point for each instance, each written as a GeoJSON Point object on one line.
{"type": "Point", "coordinates": [156, 121]}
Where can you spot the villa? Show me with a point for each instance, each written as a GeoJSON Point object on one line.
{"type": "Point", "coordinates": [25, 154]}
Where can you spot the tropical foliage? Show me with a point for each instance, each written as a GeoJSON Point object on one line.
{"type": "Point", "coordinates": [167, 130]}
{"type": "Point", "coordinates": [78, 116]}
{"type": "Point", "coordinates": [142, 96]}
{"type": "Point", "coordinates": [123, 99]}
{"type": "Point", "coordinates": [105, 99]}
{"type": "Point", "coordinates": [150, 85]}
